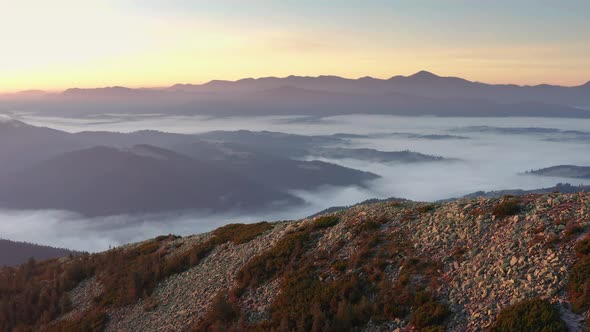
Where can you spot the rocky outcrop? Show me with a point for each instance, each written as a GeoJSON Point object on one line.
{"type": "Point", "coordinates": [485, 262]}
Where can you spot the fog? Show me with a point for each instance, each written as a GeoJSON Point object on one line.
{"type": "Point", "coordinates": [70, 230]}
{"type": "Point", "coordinates": [487, 160]}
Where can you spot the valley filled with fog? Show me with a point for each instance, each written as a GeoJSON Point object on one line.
{"type": "Point", "coordinates": [478, 154]}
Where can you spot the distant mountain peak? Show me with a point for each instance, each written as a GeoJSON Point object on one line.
{"type": "Point", "coordinates": [423, 74]}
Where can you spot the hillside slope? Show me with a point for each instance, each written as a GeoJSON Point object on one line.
{"type": "Point", "coordinates": [468, 265]}
{"type": "Point", "coordinates": [103, 181]}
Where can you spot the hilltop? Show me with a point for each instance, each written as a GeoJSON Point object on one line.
{"type": "Point", "coordinates": [468, 264]}
{"type": "Point", "coordinates": [15, 253]}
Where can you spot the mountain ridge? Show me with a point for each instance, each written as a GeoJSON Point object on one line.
{"type": "Point", "coordinates": [420, 94]}
{"type": "Point", "coordinates": [13, 253]}
{"type": "Point", "coordinates": [420, 76]}
{"type": "Point", "coordinates": [464, 265]}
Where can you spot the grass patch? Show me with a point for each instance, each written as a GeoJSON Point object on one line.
{"type": "Point", "coordinates": [530, 315]}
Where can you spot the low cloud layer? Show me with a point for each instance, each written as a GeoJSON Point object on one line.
{"type": "Point", "coordinates": [487, 160]}
{"type": "Point", "coordinates": [70, 230]}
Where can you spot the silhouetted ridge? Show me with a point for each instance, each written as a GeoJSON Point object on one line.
{"type": "Point", "coordinates": [16, 253]}
{"type": "Point", "coordinates": [423, 74]}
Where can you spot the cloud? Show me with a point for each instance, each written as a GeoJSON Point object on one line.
{"type": "Point", "coordinates": [73, 231]}
{"type": "Point", "coordinates": [489, 161]}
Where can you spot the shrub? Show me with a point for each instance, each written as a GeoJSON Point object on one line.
{"type": "Point", "coordinates": [426, 208]}
{"type": "Point", "coordinates": [169, 237]}
{"type": "Point", "coordinates": [382, 219]}
{"type": "Point", "coordinates": [241, 233]}
{"type": "Point", "coordinates": [551, 240]}
{"type": "Point", "coordinates": [573, 228]}
{"type": "Point", "coordinates": [583, 246]}
{"type": "Point", "coordinates": [147, 248]}
{"type": "Point", "coordinates": [538, 238]}
{"type": "Point", "coordinates": [325, 222]}
{"type": "Point", "coordinates": [340, 265]}
{"type": "Point", "coordinates": [579, 285]}
{"type": "Point", "coordinates": [429, 314]}
{"type": "Point", "coordinates": [266, 265]}
{"type": "Point", "coordinates": [458, 252]}
{"type": "Point", "coordinates": [507, 207]}
{"type": "Point", "coordinates": [305, 303]}
{"type": "Point", "coordinates": [221, 316]}
{"type": "Point", "coordinates": [35, 293]}
{"type": "Point", "coordinates": [128, 275]}
{"type": "Point", "coordinates": [319, 292]}
{"type": "Point", "coordinates": [530, 315]}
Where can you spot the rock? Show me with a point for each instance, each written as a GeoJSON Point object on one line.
{"type": "Point", "coordinates": [513, 261]}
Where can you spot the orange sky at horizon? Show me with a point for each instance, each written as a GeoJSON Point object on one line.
{"type": "Point", "coordinates": [64, 44]}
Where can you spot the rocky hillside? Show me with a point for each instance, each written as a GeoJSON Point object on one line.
{"type": "Point", "coordinates": [504, 264]}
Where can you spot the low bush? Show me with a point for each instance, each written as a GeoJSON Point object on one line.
{"type": "Point", "coordinates": [325, 222]}
{"type": "Point", "coordinates": [573, 228]}
{"type": "Point", "coordinates": [167, 237]}
{"type": "Point", "coordinates": [366, 226]}
{"type": "Point", "coordinates": [147, 248]}
{"type": "Point", "coordinates": [430, 314]}
{"type": "Point", "coordinates": [579, 285]}
{"type": "Point", "coordinates": [507, 207]}
{"type": "Point", "coordinates": [273, 261]}
{"type": "Point", "coordinates": [222, 316]}
{"type": "Point", "coordinates": [530, 315]}
{"type": "Point", "coordinates": [426, 208]}
{"type": "Point", "coordinates": [583, 246]}
{"type": "Point", "coordinates": [458, 253]}
{"type": "Point", "coordinates": [320, 291]}
{"type": "Point", "coordinates": [241, 233]}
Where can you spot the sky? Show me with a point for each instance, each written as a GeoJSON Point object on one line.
{"type": "Point", "coordinates": [54, 45]}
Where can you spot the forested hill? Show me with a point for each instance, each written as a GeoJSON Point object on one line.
{"type": "Point", "coordinates": [16, 253]}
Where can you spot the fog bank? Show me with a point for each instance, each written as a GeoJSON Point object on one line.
{"type": "Point", "coordinates": [486, 160]}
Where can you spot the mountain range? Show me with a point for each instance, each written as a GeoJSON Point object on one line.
{"type": "Point", "coordinates": [107, 173]}
{"type": "Point", "coordinates": [423, 93]}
